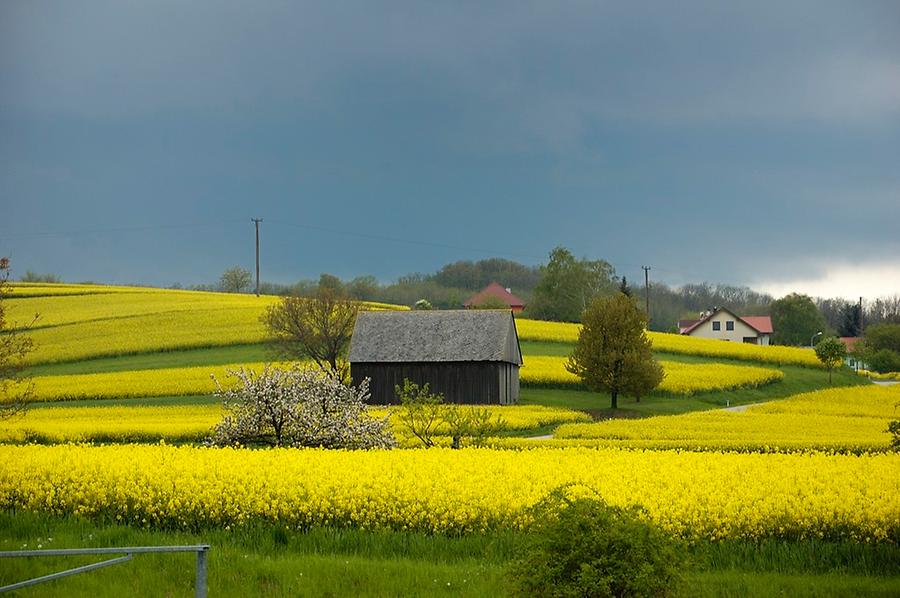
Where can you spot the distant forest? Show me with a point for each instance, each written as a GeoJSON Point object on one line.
{"type": "Point", "coordinates": [561, 288]}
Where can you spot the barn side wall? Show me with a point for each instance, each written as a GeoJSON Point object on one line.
{"type": "Point", "coordinates": [459, 382]}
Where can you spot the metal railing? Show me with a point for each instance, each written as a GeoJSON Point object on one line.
{"type": "Point", "coordinates": [200, 549]}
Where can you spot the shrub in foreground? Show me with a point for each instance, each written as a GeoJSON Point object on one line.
{"type": "Point", "coordinates": [587, 548]}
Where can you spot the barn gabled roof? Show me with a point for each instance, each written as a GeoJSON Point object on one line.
{"type": "Point", "coordinates": [428, 336]}
{"type": "Point", "coordinates": [494, 291]}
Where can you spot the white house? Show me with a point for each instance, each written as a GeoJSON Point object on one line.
{"type": "Point", "coordinates": [724, 325]}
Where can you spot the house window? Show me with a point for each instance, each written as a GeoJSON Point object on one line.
{"type": "Point", "coordinates": [729, 325]}
{"type": "Point", "coordinates": [717, 326]}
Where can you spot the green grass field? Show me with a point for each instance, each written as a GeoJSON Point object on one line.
{"type": "Point", "coordinates": [266, 561]}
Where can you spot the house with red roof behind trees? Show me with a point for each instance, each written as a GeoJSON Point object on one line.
{"type": "Point", "coordinates": [723, 324]}
{"type": "Point", "coordinates": [495, 295]}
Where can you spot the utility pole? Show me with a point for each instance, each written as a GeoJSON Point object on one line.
{"type": "Point", "coordinates": [647, 290]}
{"type": "Point", "coordinates": [256, 221]}
{"type": "Point", "coordinates": [862, 322]}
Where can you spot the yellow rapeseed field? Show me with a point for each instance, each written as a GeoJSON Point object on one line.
{"type": "Point", "coordinates": [880, 376]}
{"type": "Point", "coordinates": [561, 332]}
{"type": "Point", "coordinates": [191, 423]}
{"type": "Point", "coordinates": [852, 419]}
{"type": "Point", "coordinates": [43, 289]}
{"type": "Point", "coordinates": [162, 382]}
{"type": "Point", "coordinates": [83, 322]}
{"type": "Point", "coordinates": [680, 379]}
{"type": "Point", "coordinates": [692, 495]}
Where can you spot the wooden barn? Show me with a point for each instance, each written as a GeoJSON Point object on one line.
{"type": "Point", "coordinates": [471, 356]}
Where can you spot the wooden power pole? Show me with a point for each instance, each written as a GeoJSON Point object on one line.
{"type": "Point", "coordinates": [256, 221]}
{"type": "Point", "coordinates": [647, 291]}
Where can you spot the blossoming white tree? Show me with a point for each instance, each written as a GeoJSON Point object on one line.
{"type": "Point", "coordinates": [297, 407]}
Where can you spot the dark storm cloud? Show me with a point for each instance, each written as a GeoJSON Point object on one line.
{"type": "Point", "coordinates": [730, 142]}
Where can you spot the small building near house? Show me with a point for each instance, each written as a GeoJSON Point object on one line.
{"type": "Point", "coordinates": [722, 324]}
{"type": "Point", "coordinates": [850, 360]}
{"type": "Point", "coordinates": [495, 293]}
{"type": "Point", "coordinates": [470, 356]}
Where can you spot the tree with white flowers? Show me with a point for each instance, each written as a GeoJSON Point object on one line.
{"type": "Point", "coordinates": [297, 407]}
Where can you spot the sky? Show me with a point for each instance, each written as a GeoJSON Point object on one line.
{"type": "Point", "coordinates": [747, 143]}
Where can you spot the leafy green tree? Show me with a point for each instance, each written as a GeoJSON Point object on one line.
{"type": "Point", "coordinates": [643, 378]}
{"type": "Point", "coordinates": [363, 288]}
{"type": "Point", "coordinates": [30, 276]}
{"type": "Point", "coordinates": [831, 352]}
{"type": "Point", "coordinates": [568, 285]}
{"type": "Point", "coordinates": [883, 336]}
{"type": "Point", "coordinates": [613, 353]}
{"type": "Point", "coordinates": [851, 320]}
{"type": "Point", "coordinates": [235, 280]}
{"type": "Point", "coordinates": [880, 349]}
{"type": "Point", "coordinates": [332, 283]}
{"type": "Point", "coordinates": [492, 303]}
{"type": "Point", "coordinates": [795, 319]}
{"type": "Point", "coordinates": [882, 361]}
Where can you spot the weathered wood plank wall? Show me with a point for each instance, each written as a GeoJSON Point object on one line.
{"type": "Point", "coordinates": [494, 383]}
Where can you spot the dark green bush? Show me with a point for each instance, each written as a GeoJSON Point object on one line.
{"type": "Point", "coordinates": [591, 549]}
{"type": "Point", "coordinates": [883, 361]}
{"type": "Point", "coordinates": [894, 430]}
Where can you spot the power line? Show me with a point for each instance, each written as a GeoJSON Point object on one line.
{"type": "Point", "coordinates": [336, 231]}
{"type": "Point", "coordinates": [406, 241]}
{"type": "Point", "coordinates": [123, 229]}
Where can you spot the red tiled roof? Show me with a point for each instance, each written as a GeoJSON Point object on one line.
{"type": "Point", "coordinates": [494, 291]}
{"type": "Point", "coordinates": [762, 324]}
{"type": "Point", "coordinates": [850, 341]}
{"type": "Point", "coordinates": [684, 325]}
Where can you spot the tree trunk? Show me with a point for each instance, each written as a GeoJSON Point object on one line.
{"type": "Point", "coordinates": [615, 400]}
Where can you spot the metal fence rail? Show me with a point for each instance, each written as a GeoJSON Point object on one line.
{"type": "Point", "coordinates": [129, 551]}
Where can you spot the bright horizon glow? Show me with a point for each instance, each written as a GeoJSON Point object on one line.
{"type": "Point", "coordinates": [848, 281]}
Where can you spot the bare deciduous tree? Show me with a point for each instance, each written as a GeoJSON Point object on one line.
{"type": "Point", "coordinates": [15, 389]}
{"type": "Point", "coordinates": [317, 327]}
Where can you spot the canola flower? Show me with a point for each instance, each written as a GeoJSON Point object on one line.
{"type": "Point", "coordinates": [680, 378]}
{"type": "Point", "coordinates": [162, 382]}
{"type": "Point", "coordinates": [562, 332]}
{"type": "Point", "coordinates": [879, 376]}
{"type": "Point", "coordinates": [192, 423]}
{"type": "Point", "coordinates": [44, 289]}
{"type": "Point", "coordinates": [851, 420]}
{"type": "Point", "coordinates": [691, 495]}
{"type": "Point", "coordinates": [87, 321]}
